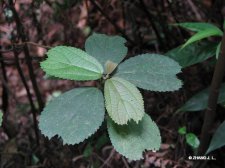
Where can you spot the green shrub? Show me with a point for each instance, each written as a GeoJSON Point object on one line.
{"type": "Point", "coordinates": [77, 114]}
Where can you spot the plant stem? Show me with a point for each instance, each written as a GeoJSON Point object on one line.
{"type": "Point", "coordinates": [118, 29]}
{"type": "Point", "coordinates": [5, 96]}
{"type": "Point", "coordinates": [12, 60]}
{"type": "Point", "coordinates": [151, 20]}
{"type": "Point", "coordinates": [210, 112]}
{"type": "Point", "coordinates": [33, 109]}
{"type": "Point", "coordinates": [22, 35]}
{"type": "Point", "coordinates": [32, 43]}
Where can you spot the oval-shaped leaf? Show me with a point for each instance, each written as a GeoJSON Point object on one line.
{"type": "Point", "coordinates": [123, 101]}
{"type": "Point", "coordinates": [200, 100]}
{"type": "Point", "coordinates": [74, 116]}
{"type": "Point", "coordinates": [193, 53]}
{"type": "Point", "coordinates": [71, 63]}
{"type": "Point", "coordinates": [133, 139]}
{"type": "Point", "coordinates": [182, 130]}
{"type": "Point", "coordinates": [192, 140]}
{"type": "Point", "coordinates": [105, 48]}
{"type": "Point", "coordinates": [218, 139]}
{"type": "Point", "coordinates": [151, 72]}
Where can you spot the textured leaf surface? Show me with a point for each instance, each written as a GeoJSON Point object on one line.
{"type": "Point", "coordinates": [193, 53]}
{"type": "Point", "coordinates": [151, 71]}
{"type": "Point", "coordinates": [218, 139]}
{"type": "Point", "coordinates": [123, 101]}
{"type": "Point", "coordinates": [192, 140]}
{"type": "Point", "coordinates": [133, 139]}
{"type": "Point", "coordinates": [71, 63]}
{"type": "Point", "coordinates": [200, 100]}
{"type": "Point", "coordinates": [1, 115]}
{"type": "Point", "coordinates": [75, 115]}
{"type": "Point", "coordinates": [105, 48]}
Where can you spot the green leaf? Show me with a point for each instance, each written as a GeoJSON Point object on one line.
{"type": "Point", "coordinates": [218, 139]}
{"type": "Point", "coordinates": [201, 35]}
{"type": "Point", "coordinates": [105, 48]}
{"type": "Point", "coordinates": [203, 30]}
{"type": "Point", "coordinates": [182, 130]}
{"type": "Point", "coordinates": [200, 100]}
{"type": "Point", "coordinates": [218, 50]}
{"type": "Point", "coordinates": [193, 53]}
{"type": "Point", "coordinates": [151, 72]}
{"type": "Point", "coordinates": [1, 117]}
{"type": "Point", "coordinates": [192, 140]}
{"type": "Point", "coordinates": [102, 140]}
{"type": "Point", "coordinates": [133, 139]}
{"type": "Point", "coordinates": [88, 150]}
{"type": "Point", "coordinates": [197, 27]}
{"type": "Point", "coordinates": [123, 101]}
{"type": "Point", "coordinates": [71, 63]}
{"type": "Point", "coordinates": [74, 116]}
{"type": "Point", "coordinates": [34, 159]}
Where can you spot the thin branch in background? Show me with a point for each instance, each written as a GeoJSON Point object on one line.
{"type": "Point", "coordinates": [22, 35]}
{"type": "Point", "coordinates": [5, 51]}
{"type": "Point", "coordinates": [195, 10]}
{"type": "Point", "coordinates": [101, 159]}
{"type": "Point", "coordinates": [172, 11]}
{"type": "Point", "coordinates": [48, 3]}
{"type": "Point", "coordinates": [19, 46]}
{"type": "Point", "coordinates": [176, 20]}
{"type": "Point", "coordinates": [162, 20]}
{"type": "Point", "coordinates": [109, 158]}
{"type": "Point", "coordinates": [35, 21]}
{"type": "Point", "coordinates": [118, 29]}
{"type": "Point", "coordinates": [87, 8]}
{"type": "Point", "coordinates": [11, 96]}
{"type": "Point", "coordinates": [150, 18]}
{"type": "Point", "coordinates": [124, 15]}
{"type": "Point", "coordinates": [125, 162]}
{"type": "Point", "coordinates": [32, 43]}
{"type": "Point", "coordinates": [210, 112]}
{"type": "Point", "coordinates": [5, 97]}
{"type": "Point", "coordinates": [33, 109]}
{"type": "Point", "coordinates": [34, 58]}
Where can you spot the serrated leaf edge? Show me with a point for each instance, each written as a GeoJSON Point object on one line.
{"type": "Point", "coordinates": [161, 90]}
{"type": "Point", "coordinates": [147, 149]}
{"type": "Point", "coordinates": [166, 91]}
{"type": "Point", "coordinates": [64, 143]}
{"type": "Point", "coordinates": [101, 69]}
{"type": "Point", "coordinates": [137, 121]}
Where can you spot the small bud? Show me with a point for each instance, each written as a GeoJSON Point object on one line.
{"type": "Point", "coordinates": [110, 66]}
